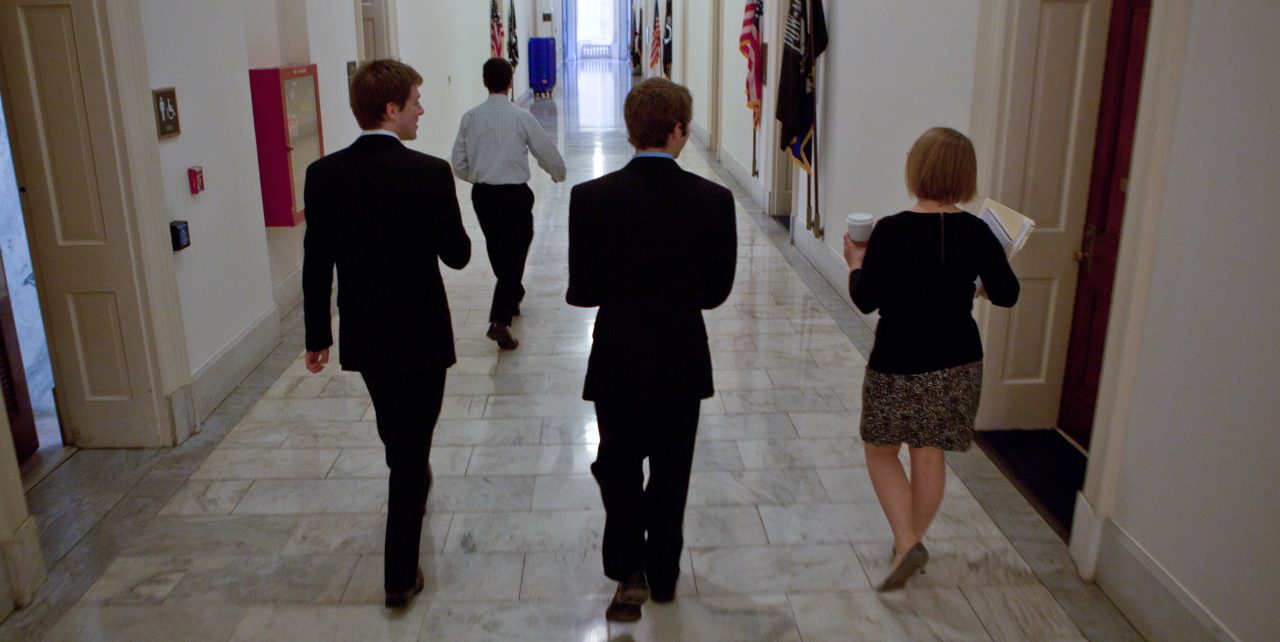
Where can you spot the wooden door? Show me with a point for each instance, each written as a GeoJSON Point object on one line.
{"type": "Point", "coordinates": [70, 158]}
{"type": "Point", "coordinates": [1113, 150]}
{"type": "Point", "coordinates": [1051, 78]}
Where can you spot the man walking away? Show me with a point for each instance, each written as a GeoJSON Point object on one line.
{"type": "Point", "coordinates": [386, 216]}
{"type": "Point", "coordinates": [491, 152]}
{"type": "Point", "coordinates": [653, 246]}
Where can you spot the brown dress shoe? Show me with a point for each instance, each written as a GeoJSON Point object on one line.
{"type": "Point", "coordinates": [502, 334]}
{"type": "Point", "coordinates": [631, 593]}
{"type": "Point", "coordinates": [401, 599]}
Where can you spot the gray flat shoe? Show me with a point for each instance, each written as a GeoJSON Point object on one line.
{"type": "Point", "coordinates": [914, 560]}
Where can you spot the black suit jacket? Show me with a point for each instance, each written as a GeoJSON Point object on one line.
{"type": "Point", "coordinates": [382, 213]}
{"type": "Point", "coordinates": [653, 246]}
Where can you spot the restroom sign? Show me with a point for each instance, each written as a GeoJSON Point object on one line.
{"type": "Point", "coordinates": [164, 102]}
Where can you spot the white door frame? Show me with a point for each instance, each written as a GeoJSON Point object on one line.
{"type": "Point", "coordinates": [1144, 204]}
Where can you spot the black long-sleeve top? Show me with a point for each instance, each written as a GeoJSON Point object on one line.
{"type": "Point", "coordinates": [919, 271]}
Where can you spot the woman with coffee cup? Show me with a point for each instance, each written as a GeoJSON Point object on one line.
{"type": "Point", "coordinates": [918, 268]}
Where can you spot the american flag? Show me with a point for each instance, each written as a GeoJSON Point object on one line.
{"type": "Point", "coordinates": [495, 30]}
{"type": "Point", "coordinates": [749, 45]}
{"type": "Point", "coordinates": [655, 48]}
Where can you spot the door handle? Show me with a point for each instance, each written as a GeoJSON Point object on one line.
{"type": "Point", "coordinates": [1086, 245]}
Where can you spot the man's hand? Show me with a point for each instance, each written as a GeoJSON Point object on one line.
{"type": "Point", "coordinates": [853, 252]}
{"type": "Point", "coordinates": [316, 360]}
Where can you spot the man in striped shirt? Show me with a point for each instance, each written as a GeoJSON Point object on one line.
{"type": "Point", "coordinates": [492, 153]}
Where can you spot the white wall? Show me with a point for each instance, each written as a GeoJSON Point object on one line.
{"type": "Point", "coordinates": [697, 61]}
{"type": "Point", "coordinates": [735, 118]}
{"type": "Point", "coordinates": [1198, 481]}
{"type": "Point", "coordinates": [447, 42]}
{"type": "Point", "coordinates": [222, 277]}
{"type": "Point", "coordinates": [891, 71]}
{"type": "Point", "coordinates": [283, 32]}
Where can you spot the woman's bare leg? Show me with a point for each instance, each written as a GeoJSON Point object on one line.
{"type": "Point", "coordinates": [928, 481]}
{"type": "Point", "coordinates": [895, 494]}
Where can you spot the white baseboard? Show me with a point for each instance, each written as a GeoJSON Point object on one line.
{"type": "Point", "coordinates": [23, 562]}
{"type": "Point", "coordinates": [700, 133]}
{"type": "Point", "coordinates": [1156, 603]}
{"type": "Point", "coordinates": [221, 374]}
{"type": "Point", "coordinates": [182, 414]}
{"type": "Point", "coordinates": [288, 292]}
{"type": "Point", "coordinates": [742, 174]}
{"type": "Point", "coordinates": [1086, 536]}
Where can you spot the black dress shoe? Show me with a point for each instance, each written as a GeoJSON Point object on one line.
{"type": "Point", "coordinates": [401, 599]}
{"type": "Point", "coordinates": [502, 334]}
{"type": "Point", "coordinates": [662, 595]}
{"type": "Point", "coordinates": [631, 593]}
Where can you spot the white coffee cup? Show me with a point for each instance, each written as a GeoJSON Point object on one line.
{"type": "Point", "coordinates": [860, 224]}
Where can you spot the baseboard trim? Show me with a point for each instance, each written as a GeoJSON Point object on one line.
{"type": "Point", "coordinates": [182, 414]}
{"type": "Point", "coordinates": [1157, 605]}
{"type": "Point", "coordinates": [288, 292]}
{"type": "Point", "coordinates": [700, 133]}
{"type": "Point", "coordinates": [221, 374]}
{"type": "Point", "coordinates": [1086, 537]}
{"type": "Point", "coordinates": [742, 174]}
{"type": "Point", "coordinates": [23, 562]}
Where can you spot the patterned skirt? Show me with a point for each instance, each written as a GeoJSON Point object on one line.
{"type": "Point", "coordinates": [934, 409]}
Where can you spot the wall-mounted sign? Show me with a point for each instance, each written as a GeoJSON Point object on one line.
{"type": "Point", "coordinates": [165, 103]}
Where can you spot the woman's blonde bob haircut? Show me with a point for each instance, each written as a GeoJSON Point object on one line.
{"type": "Point", "coordinates": [942, 167]}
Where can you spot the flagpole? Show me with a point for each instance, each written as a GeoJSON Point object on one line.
{"type": "Point", "coordinates": [808, 175]}
{"type": "Point", "coordinates": [813, 162]}
{"type": "Point", "coordinates": [754, 135]}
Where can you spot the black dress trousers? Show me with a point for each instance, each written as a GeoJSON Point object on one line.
{"type": "Point", "coordinates": [629, 432]}
{"type": "Point", "coordinates": [506, 218]}
{"type": "Point", "coordinates": [407, 405]}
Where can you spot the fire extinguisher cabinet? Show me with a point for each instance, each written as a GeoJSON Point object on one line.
{"type": "Point", "coordinates": [286, 121]}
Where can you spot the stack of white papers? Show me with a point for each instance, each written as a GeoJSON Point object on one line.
{"type": "Point", "coordinates": [1009, 227]}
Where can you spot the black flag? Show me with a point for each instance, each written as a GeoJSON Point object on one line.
{"type": "Point", "coordinates": [513, 41]}
{"type": "Point", "coordinates": [796, 108]}
{"type": "Point", "coordinates": [666, 43]}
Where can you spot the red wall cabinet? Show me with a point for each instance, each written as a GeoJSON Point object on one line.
{"type": "Point", "coordinates": [286, 118]}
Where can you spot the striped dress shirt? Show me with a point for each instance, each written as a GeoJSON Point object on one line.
{"type": "Point", "coordinates": [494, 143]}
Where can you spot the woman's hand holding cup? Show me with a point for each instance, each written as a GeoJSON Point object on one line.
{"type": "Point", "coordinates": [855, 241]}
{"type": "Point", "coordinates": [853, 252]}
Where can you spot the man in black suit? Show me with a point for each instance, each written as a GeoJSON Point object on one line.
{"type": "Point", "coordinates": [383, 214]}
{"type": "Point", "coordinates": [653, 246]}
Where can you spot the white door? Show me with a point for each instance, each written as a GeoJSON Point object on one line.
{"type": "Point", "coordinates": [69, 154]}
{"type": "Point", "coordinates": [373, 29]}
{"type": "Point", "coordinates": [1047, 108]}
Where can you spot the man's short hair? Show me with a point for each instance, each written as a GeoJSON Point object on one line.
{"type": "Point", "coordinates": [377, 83]}
{"type": "Point", "coordinates": [652, 110]}
{"type": "Point", "coordinates": [497, 75]}
{"type": "Point", "coordinates": [942, 167]}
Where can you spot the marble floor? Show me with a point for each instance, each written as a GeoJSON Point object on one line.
{"type": "Point", "coordinates": [267, 525]}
